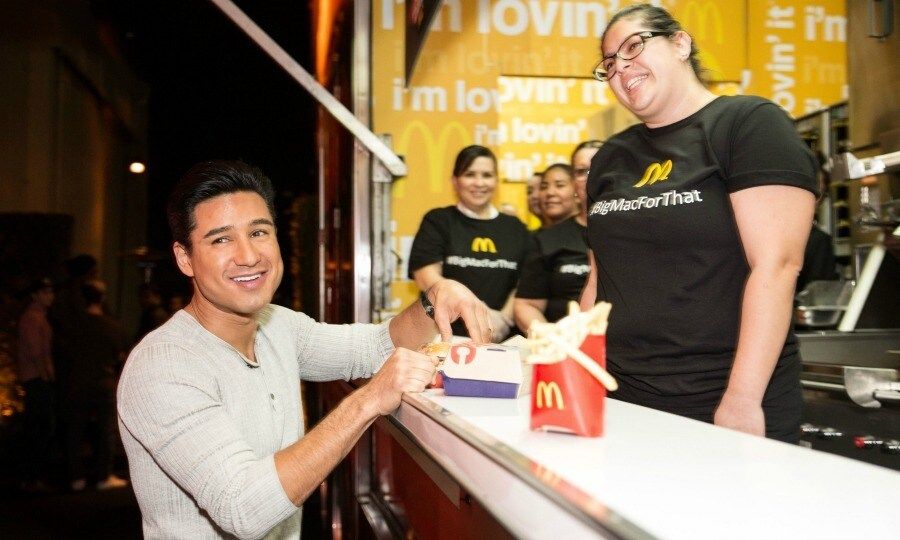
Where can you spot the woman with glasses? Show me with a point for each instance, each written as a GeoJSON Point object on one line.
{"type": "Point", "coordinates": [472, 242]}
{"type": "Point", "coordinates": [697, 222]}
{"type": "Point", "coordinates": [556, 265]}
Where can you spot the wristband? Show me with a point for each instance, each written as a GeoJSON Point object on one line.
{"type": "Point", "coordinates": [426, 305]}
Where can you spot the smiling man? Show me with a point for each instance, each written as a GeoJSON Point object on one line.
{"type": "Point", "coordinates": [209, 403]}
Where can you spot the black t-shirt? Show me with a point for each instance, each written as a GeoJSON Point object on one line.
{"type": "Point", "coordinates": [556, 267]}
{"type": "Point", "coordinates": [485, 255]}
{"type": "Point", "coordinates": [667, 248]}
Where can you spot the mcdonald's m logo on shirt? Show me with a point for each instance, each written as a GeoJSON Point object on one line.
{"type": "Point", "coordinates": [483, 245]}
{"type": "Point", "coordinates": [547, 394]}
{"type": "Point", "coordinates": [656, 172]}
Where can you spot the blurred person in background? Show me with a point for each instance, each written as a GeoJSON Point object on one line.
{"type": "Point", "coordinates": [36, 375]}
{"type": "Point", "coordinates": [175, 303]}
{"type": "Point", "coordinates": [65, 317]}
{"type": "Point", "coordinates": [532, 191]}
{"type": "Point", "coordinates": [581, 158]}
{"type": "Point", "coordinates": [556, 266]}
{"type": "Point", "coordinates": [581, 165]}
{"type": "Point", "coordinates": [558, 197]}
{"type": "Point", "coordinates": [153, 314]}
{"type": "Point", "coordinates": [697, 220]}
{"type": "Point", "coordinates": [98, 352]}
{"type": "Point", "coordinates": [472, 242]}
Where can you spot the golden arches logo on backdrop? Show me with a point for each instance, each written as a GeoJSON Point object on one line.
{"type": "Point", "coordinates": [483, 245]}
{"type": "Point", "coordinates": [434, 151]}
{"type": "Point", "coordinates": [549, 393]}
{"type": "Point", "coordinates": [703, 20]}
{"type": "Point", "coordinates": [656, 172]}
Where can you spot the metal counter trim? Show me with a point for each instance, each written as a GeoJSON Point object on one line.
{"type": "Point", "coordinates": [563, 494]}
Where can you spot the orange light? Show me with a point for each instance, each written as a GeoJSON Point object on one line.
{"type": "Point", "coordinates": [137, 167]}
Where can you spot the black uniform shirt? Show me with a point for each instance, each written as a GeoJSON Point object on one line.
{"type": "Point", "coordinates": [485, 255]}
{"type": "Point", "coordinates": [555, 268]}
{"type": "Point", "coordinates": [669, 256]}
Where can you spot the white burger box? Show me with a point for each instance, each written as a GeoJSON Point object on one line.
{"type": "Point", "coordinates": [495, 371]}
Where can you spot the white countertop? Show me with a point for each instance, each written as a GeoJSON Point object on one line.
{"type": "Point", "coordinates": [678, 478]}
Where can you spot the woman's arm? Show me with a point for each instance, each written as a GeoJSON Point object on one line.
{"type": "Point", "coordinates": [773, 223]}
{"type": "Point", "coordinates": [428, 275]}
{"type": "Point", "coordinates": [528, 310]}
{"type": "Point", "coordinates": [589, 292]}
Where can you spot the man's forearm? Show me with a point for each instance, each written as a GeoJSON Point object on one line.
{"type": "Point", "coordinates": [303, 465]}
{"type": "Point", "coordinates": [412, 328]}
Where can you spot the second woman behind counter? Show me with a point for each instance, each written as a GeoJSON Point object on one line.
{"type": "Point", "coordinates": [557, 263]}
{"type": "Point", "coordinates": [472, 242]}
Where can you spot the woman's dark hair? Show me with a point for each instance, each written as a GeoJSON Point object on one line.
{"type": "Point", "coordinates": [467, 155]}
{"type": "Point", "coordinates": [207, 180]}
{"type": "Point", "coordinates": [561, 166]}
{"type": "Point", "coordinates": [592, 143]}
{"type": "Point", "coordinates": [658, 20]}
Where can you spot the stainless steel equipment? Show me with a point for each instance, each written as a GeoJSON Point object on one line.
{"type": "Point", "coordinates": [851, 383]}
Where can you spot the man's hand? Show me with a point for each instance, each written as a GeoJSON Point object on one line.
{"type": "Point", "coordinates": [404, 371]}
{"type": "Point", "coordinates": [453, 300]}
{"type": "Point", "coordinates": [741, 414]}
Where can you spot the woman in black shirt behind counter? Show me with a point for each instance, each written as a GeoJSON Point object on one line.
{"type": "Point", "coordinates": [472, 242]}
{"type": "Point", "coordinates": [697, 221]}
{"type": "Point", "coordinates": [557, 264]}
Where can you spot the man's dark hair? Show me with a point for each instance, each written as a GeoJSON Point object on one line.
{"type": "Point", "coordinates": [468, 155]}
{"type": "Point", "coordinates": [207, 180]}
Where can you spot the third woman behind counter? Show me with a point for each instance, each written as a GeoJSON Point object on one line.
{"type": "Point", "coordinates": [472, 242]}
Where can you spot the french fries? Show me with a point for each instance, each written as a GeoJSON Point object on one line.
{"type": "Point", "coordinates": [554, 342]}
{"type": "Point", "coordinates": [436, 348]}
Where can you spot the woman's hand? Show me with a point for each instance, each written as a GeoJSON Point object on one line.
{"type": "Point", "coordinates": [452, 300]}
{"type": "Point", "coordinates": [741, 413]}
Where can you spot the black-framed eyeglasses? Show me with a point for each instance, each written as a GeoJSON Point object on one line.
{"type": "Point", "coordinates": [628, 50]}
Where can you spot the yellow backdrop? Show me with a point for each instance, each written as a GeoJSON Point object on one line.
{"type": "Point", "coordinates": [514, 75]}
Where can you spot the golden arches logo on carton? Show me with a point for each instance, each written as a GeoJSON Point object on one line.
{"type": "Point", "coordinates": [548, 394]}
{"type": "Point", "coordinates": [483, 245]}
{"type": "Point", "coordinates": [433, 150]}
{"type": "Point", "coordinates": [656, 172]}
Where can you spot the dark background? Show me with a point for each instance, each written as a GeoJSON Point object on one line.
{"type": "Point", "coordinates": [214, 94]}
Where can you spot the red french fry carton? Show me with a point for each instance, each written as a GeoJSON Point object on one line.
{"type": "Point", "coordinates": [566, 398]}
